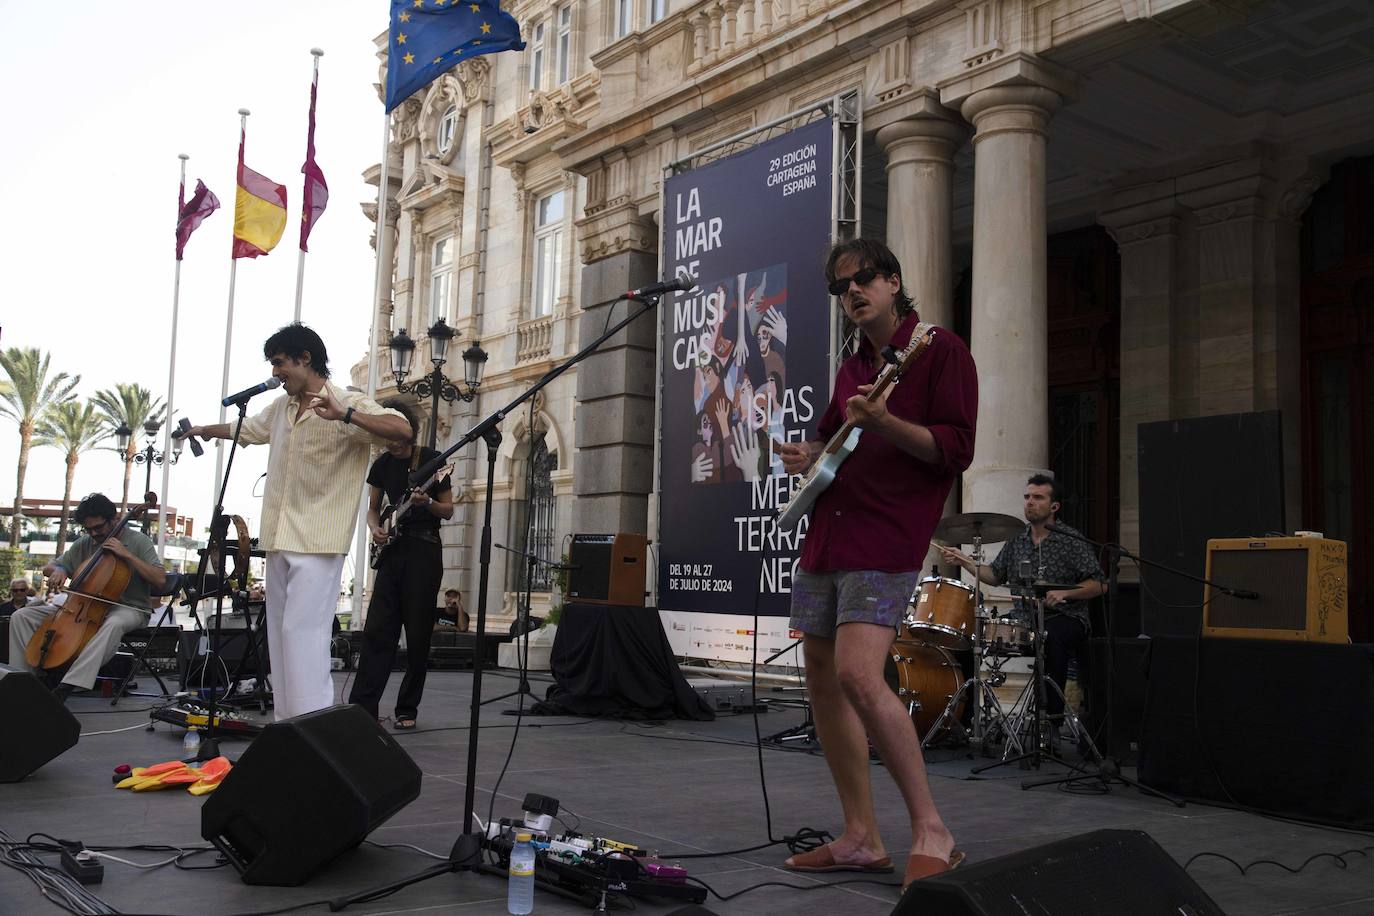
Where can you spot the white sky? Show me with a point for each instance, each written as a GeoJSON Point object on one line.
{"type": "Point", "coordinates": [110, 93]}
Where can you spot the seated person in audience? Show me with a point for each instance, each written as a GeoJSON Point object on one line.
{"type": "Point", "coordinates": [452, 612]}
{"type": "Point", "coordinates": [18, 596]}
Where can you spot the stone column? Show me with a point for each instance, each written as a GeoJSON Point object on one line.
{"type": "Point", "coordinates": [613, 473]}
{"type": "Point", "coordinates": [920, 198]}
{"type": "Point", "coordinates": [1009, 334]}
{"type": "Point", "coordinates": [1147, 236]}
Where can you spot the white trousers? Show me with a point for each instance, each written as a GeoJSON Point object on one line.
{"type": "Point", "coordinates": [302, 592]}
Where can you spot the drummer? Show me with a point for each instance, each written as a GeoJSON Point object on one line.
{"type": "Point", "coordinates": [1038, 554]}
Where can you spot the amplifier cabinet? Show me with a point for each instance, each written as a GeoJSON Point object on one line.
{"type": "Point", "coordinates": [608, 569]}
{"type": "Point", "coordinates": [1301, 583]}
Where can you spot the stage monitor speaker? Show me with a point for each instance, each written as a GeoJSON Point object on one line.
{"type": "Point", "coordinates": [1301, 584]}
{"type": "Point", "coordinates": [608, 569]}
{"type": "Point", "coordinates": [34, 725]}
{"type": "Point", "coordinates": [1200, 478]}
{"type": "Point", "coordinates": [305, 791]}
{"type": "Point", "coordinates": [1121, 872]}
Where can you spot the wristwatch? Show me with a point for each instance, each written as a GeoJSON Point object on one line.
{"type": "Point", "coordinates": [348, 415]}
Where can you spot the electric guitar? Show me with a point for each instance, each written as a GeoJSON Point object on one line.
{"type": "Point", "coordinates": [392, 515]}
{"type": "Point", "coordinates": [846, 439]}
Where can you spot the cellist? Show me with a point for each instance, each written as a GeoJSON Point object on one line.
{"type": "Point", "coordinates": [96, 515]}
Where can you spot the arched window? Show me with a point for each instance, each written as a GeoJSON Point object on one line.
{"type": "Point", "coordinates": [542, 513]}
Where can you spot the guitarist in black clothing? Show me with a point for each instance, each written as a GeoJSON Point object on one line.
{"type": "Point", "coordinates": [408, 575]}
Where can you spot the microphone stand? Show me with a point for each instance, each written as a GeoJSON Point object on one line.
{"type": "Point", "coordinates": [466, 854]}
{"type": "Point", "coordinates": [219, 530]}
{"type": "Point", "coordinates": [522, 620]}
{"type": "Point", "coordinates": [1109, 768]}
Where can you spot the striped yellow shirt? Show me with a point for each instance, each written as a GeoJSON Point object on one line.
{"type": "Point", "coordinates": [314, 473]}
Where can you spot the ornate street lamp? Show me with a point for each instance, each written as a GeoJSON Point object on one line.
{"type": "Point", "coordinates": [147, 455]}
{"type": "Point", "coordinates": [434, 385]}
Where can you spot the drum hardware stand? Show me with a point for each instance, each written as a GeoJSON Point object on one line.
{"type": "Point", "coordinates": [1033, 698]}
{"type": "Point", "coordinates": [983, 696]}
{"type": "Point", "coordinates": [1109, 768]}
{"type": "Point", "coordinates": [806, 731]}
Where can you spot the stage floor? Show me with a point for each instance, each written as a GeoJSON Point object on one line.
{"type": "Point", "coordinates": [675, 786]}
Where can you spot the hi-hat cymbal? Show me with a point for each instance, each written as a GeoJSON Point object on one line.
{"type": "Point", "coordinates": [990, 526]}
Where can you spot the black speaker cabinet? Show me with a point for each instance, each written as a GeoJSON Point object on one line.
{"type": "Point", "coordinates": [34, 725]}
{"type": "Point", "coordinates": [307, 790]}
{"type": "Point", "coordinates": [234, 643]}
{"type": "Point", "coordinates": [1127, 701]}
{"type": "Point", "coordinates": [1200, 478]}
{"type": "Point", "coordinates": [608, 569]}
{"type": "Point", "coordinates": [1121, 872]}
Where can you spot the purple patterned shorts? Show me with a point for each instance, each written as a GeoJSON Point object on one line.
{"type": "Point", "coordinates": [823, 601]}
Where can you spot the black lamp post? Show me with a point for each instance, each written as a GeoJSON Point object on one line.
{"type": "Point", "coordinates": [147, 455]}
{"type": "Point", "coordinates": [434, 385]}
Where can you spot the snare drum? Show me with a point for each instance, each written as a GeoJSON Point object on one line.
{"type": "Point", "coordinates": [942, 613]}
{"type": "Point", "coordinates": [925, 677]}
{"type": "Point", "coordinates": [1008, 636]}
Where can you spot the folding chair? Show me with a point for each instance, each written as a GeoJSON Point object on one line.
{"type": "Point", "coordinates": [170, 589]}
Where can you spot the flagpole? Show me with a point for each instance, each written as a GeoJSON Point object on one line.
{"type": "Point", "coordinates": [300, 255]}
{"type": "Point", "coordinates": [171, 387]}
{"type": "Point", "coordinates": [360, 561]}
{"type": "Point", "coordinates": [228, 334]}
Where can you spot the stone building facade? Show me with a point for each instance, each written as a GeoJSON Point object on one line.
{"type": "Point", "coordinates": [1108, 198]}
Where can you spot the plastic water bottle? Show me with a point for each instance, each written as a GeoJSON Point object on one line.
{"type": "Point", "coordinates": [191, 743]}
{"type": "Point", "coordinates": [520, 893]}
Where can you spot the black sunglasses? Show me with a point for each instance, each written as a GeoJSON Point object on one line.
{"type": "Point", "coordinates": [840, 285]}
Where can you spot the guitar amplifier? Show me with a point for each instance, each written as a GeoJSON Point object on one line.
{"type": "Point", "coordinates": [608, 569]}
{"type": "Point", "coordinates": [1301, 584]}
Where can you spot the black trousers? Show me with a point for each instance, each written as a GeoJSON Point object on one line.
{"type": "Point", "coordinates": [404, 593]}
{"type": "Point", "coordinates": [1065, 636]}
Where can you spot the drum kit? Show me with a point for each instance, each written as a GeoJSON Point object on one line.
{"type": "Point", "coordinates": [948, 616]}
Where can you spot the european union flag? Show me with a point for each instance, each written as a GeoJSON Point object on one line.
{"type": "Point", "coordinates": [431, 37]}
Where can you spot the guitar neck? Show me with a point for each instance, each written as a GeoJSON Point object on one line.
{"type": "Point", "coordinates": [885, 381]}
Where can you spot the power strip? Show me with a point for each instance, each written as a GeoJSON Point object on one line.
{"type": "Point", "coordinates": [81, 864]}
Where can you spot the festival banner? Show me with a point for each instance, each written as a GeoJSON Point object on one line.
{"type": "Point", "coordinates": [745, 360]}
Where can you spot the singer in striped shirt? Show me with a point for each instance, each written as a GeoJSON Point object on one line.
{"type": "Point", "coordinates": [321, 437]}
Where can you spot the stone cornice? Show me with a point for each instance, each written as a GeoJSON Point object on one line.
{"type": "Point", "coordinates": [614, 230]}
{"type": "Point", "coordinates": [1015, 69]}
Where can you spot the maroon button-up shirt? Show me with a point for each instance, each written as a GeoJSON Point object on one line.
{"type": "Point", "coordinates": [883, 505]}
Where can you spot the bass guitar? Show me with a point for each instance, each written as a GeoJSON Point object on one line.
{"type": "Point", "coordinates": [846, 439]}
{"type": "Point", "coordinates": [392, 515]}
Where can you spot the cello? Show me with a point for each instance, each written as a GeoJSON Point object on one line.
{"type": "Point", "coordinates": [92, 591]}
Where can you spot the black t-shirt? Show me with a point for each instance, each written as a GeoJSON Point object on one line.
{"type": "Point", "coordinates": [391, 476]}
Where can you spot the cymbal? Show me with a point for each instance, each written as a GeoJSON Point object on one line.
{"type": "Point", "coordinates": [990, 526]}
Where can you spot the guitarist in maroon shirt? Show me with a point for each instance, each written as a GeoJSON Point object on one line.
{"type": "Point", "coordinates": [864, 550]}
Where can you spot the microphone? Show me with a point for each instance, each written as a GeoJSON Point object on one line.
{"type": "Point", "coordinates": [680, 284]}
{"type": "Point", "coordinates": [246, 394]}
{"type": "Point", "coordinates": [182, 426]}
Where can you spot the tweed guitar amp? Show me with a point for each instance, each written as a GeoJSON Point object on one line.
{"type": "Point", "coordinates": [608, 569]}
{"type": "Point", "coordinates": [1299, 586]}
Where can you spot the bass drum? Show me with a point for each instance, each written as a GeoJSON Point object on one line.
{"type": "Point", "coordinates": [925, 677]}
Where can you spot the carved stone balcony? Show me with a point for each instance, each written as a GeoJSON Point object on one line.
{"type": "Point", "coordinates": [534, 339]}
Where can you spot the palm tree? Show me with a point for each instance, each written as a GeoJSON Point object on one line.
{"type": "Point", "coordinates": [74, 428]}
{"type": "Point", "coordinates": [132, 405]}
{"type": "Point", "coordinates": [26, 397]}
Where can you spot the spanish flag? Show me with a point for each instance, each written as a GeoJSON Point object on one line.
{"type": "Point", "coordinates": [259, 211]}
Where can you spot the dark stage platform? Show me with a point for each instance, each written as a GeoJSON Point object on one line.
{"type": "Point", "coordinates": [677, 786]}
